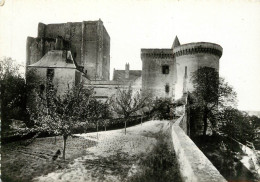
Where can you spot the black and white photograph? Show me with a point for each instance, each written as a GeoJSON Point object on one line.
{"type": "Point", "coordinates": [130, 90]}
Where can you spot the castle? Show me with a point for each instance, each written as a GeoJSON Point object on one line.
{"type": "Point", "coordinates": [79, 52]}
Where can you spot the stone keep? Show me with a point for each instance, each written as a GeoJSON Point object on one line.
{"type": "Point", "coordinates": [88, 42]}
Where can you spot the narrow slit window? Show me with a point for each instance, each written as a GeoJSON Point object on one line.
{"type": "Point", "coordinates": [167, 88]}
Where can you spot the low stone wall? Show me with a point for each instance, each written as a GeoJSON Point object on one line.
{"type": "Point", "coordinates": [194, 165]}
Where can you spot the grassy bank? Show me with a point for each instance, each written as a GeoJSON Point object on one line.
{"type": "Point", "coordinates": [159, 165]}
{"type": "Point", "coordinates": [22, 163]}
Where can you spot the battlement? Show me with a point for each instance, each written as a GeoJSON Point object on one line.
{"type": "Point", "coordinates": [198, 47]}
{"type": "Point", "coordinates": [157, 53]}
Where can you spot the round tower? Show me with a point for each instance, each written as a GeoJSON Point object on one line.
{"type": "Point", "coordinates": [189, 58]}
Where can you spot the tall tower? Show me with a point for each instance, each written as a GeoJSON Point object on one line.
{"type": "Point", "coordinates": [88, 42]}
{"type": "Point", "coordinates": [189, 58]}
{"type": "Point", "coordinates": [158, 72]}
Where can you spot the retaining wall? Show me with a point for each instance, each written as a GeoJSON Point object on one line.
{"type": "Point", "coordinates": [194, 165]}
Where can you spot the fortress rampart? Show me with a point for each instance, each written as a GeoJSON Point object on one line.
{"type": "Point", "coordinates": [198, 47]}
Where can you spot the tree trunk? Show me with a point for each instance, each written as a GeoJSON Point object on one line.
{"type": "Point", "coordinates": [105, 127]}
{"type": "Point", "coordinates": [97, 129]}
{"type": "Point", "coordinates": [205, 122]}
{"type": "Point", "coordinates": [141, 120]}
{"type": "Point", "coordinates": [55, 140]}
{"type": "Point", "coordinates": [125, 126]}
{"type": "Point", "coordinates": [64, 145]}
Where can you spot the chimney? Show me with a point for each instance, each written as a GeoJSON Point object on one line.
{"type": "Point", "coordinates": [127, 70]}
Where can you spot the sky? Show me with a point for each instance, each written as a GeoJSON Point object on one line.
{"type": "Point", "coordinates": [136, 24]}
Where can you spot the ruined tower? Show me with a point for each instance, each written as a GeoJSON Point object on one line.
{"type": "Point", "coordinates": [88, 42]}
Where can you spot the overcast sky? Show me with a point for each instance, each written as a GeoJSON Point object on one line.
{"type": "Point", "coordinates": [136, 24]}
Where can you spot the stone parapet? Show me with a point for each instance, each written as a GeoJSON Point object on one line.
{"type": "Point", "coordinates": [157, 53]}
{"type": "Point", "coordinates": [198, 47]}
{"type": "Point", "coordinates": [194, 165]}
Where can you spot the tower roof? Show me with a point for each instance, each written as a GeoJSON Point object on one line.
{"type": "Point", "coordinates": [55, 59]}
{"type": "Point", "coordinates": [176, 42]}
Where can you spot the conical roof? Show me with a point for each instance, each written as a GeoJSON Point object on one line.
{"type": "Point", "coordinates": [176, 42]}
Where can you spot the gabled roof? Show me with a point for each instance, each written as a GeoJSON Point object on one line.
{"type": "Point", "coordinates": [55, 59]}
{"type": "Point", "coordinates": [119, 75]}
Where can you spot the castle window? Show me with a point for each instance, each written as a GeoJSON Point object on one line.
{"type": "Point", "coordinates": [167, 88]}
{"type": "Point", "coordinates": [75, 55]}
{"type": "Point", "coordinates": [165, 69]}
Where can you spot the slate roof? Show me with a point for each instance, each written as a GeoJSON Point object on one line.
{"type": "Point", "coordinates": [119, 75]}
{"type": "Point", "coordinates": [176, 42]}
{"type": "Point", "coordinates": [55, 59]}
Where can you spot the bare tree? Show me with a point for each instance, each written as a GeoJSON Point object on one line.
{"type": "Point", "coordinates": [127, 102]}
{"type": "Point", "coordinates": [98, 112]}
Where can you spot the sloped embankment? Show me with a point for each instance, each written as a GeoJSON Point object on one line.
{"type": "Point", "coordinates": [116, 157]}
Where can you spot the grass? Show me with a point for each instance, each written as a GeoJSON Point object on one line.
{"type": "Point", "coordinates": [23, 163]}
{"type": "Point", "coordinates": [160, 165]}
{"type": "Point", "coordinates": [144, 154]}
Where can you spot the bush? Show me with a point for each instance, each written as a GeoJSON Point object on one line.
{"type": "Point", "coordinates": [162, 108]}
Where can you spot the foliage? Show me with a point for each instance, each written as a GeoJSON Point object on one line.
{"type": "Point", "coordinates": [13, 92]}
{"type": "Point", "coordinates": [210, 94]}
{"type": "Point", "coordinates": [237, 125]}
{"type": "Point", "coordinates": [127, 102]}
{"type": "Point", "coordinates": [59, 114]}
{"type": "Point", "coordinates": [162, 108]}
{"type": "Point", "coordinates": [225, 154]}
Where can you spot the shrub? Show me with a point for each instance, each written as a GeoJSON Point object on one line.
{"type": "Point", "coordinates": [162, 108]}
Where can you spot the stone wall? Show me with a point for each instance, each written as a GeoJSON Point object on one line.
{"type": "Point", "coordinates": [106, 89]}
{"type": "Point", "coordinates": [88, 42]}
{"type": "Point", "coordinates": [194, 165]}
{"type": "Point", "coordinates": [36, 48]}
{"type": "Point", "coordinates": [191, 57]}
{"type": "Point", "coordinates": [63, 78]}
{"type": "Point", "coordinates": [153, 78]}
